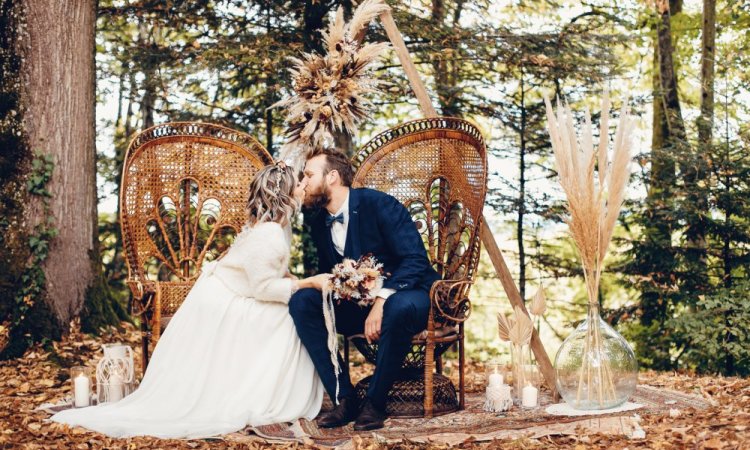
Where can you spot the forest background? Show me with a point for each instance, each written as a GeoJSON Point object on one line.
{"type": "Point", "coordinates": [677, 280]}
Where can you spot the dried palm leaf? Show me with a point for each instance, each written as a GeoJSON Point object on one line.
{"type": "Point", "coordinates": [538, 303]}
{"type": "Point", "coordinates": [520, 332]}
{"type": "Point", "coordinates": [504, 325]}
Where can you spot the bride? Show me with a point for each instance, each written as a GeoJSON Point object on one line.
{"type": "Point", "coordinates": [230, 356]}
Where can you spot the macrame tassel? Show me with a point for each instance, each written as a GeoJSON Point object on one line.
{"type": "Point", "coordinates": [498, 398]}
{"type": "Point", "coordinates": [333, 342]}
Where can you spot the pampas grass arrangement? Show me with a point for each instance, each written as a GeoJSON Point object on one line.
{"type": "Point", "coordinates": [594, 187]}
{"type": "Point", "coordinates": [330, 90]}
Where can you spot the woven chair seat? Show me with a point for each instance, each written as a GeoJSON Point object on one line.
{"type": "Point", "coordinates": [443, 332]}
{"type": "Point", "coordinates": [415, 359]}
{"type": "Point", "coordinates": [406, 396]}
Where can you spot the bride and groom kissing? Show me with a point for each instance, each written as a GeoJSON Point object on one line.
{"type": "Point", "coordinates": [249, 344]}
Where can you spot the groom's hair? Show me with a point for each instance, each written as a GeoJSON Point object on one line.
{"type": "Point", "coordinates": [338, 161]}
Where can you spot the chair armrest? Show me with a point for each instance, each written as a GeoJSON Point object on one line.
{"type": "Point", "coordinates": [449, 300]}
{"type": "Point", "coordinates": [143, 294]}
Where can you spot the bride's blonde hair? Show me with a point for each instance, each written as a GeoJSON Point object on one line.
{"type": "Point", "coordinates": [272, 195]}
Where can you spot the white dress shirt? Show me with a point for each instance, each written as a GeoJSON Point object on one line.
{"type": "Point", "coordinates": [338, 229]}
{"type": "Point", "coordinates": [338, 236]}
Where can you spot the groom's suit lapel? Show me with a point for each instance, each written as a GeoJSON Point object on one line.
{"type": "Point", "coordinates": [324, 237]}
{"type": "Point", "coordinates": [351, 247]}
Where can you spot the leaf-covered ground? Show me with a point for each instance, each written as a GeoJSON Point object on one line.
{"type": "Point", "coordinates": [42, 376]}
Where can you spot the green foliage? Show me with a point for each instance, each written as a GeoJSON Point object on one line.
{"type": "Point", "coordinates": [30, 319]}
{"type": "Point", "coordinates": [695, 190]}
{"type": "Point", "coordinates": [33, 279]}
{"type": "Point", "coordinates": [14, 159]}
{"type": "Point", "coordinates": [714, 336]}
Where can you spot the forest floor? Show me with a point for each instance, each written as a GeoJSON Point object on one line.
{"type": "Point", "coordinates": [42, 376]}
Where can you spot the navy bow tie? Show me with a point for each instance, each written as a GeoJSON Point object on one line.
{"type": "Point", "coordinates": [338, 218]}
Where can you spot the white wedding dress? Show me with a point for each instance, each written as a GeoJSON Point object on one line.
{"type": "Point", "coordinates": [230, 356]}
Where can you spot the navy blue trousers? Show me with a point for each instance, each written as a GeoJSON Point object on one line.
{"type": "Point", "coordinates": [404, 315]}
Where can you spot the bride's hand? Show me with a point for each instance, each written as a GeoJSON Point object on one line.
{"type": "Point", "coordinates": [315, 282]}
{"type": "Point", "coordinates": [292, 276]}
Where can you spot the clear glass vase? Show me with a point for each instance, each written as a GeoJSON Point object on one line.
{"type": "Point", "coordinates": [595, 367]}
{"type": "Point", "coordinates": [520, 356]}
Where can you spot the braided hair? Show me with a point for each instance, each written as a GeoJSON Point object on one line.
{"type": "Point", "coordinates": [272, 195]}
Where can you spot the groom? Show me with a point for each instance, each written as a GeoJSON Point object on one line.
{"type": "Point", "coordinates": [350, 223]}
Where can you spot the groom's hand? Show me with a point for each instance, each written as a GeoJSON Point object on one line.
{"type": "Point", "coordinates": [374, 321]}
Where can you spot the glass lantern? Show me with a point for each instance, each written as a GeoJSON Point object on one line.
{"type": "Point", "coordinates": [115, 373]}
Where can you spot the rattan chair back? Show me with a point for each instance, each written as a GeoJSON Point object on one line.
{"type": "Point", "coordinates": [182, 200]}
{"type": "Point", "coordinates": [437, 168]}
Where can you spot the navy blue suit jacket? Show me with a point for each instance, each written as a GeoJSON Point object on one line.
{"type": "Point", "coordinates": [381, 225]}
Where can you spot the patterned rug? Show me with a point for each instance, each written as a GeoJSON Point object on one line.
{"type": "Point", "coordinates": [475, 424]}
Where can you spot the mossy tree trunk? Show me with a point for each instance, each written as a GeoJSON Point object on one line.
{"type": "Point", "coordinates": [56, 275]}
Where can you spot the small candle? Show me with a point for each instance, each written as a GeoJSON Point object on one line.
{"type": "Point", "coordinates": [529, 397]}
{"type": "Point", "coordinates": [496, 379]}
{"type": "Point", "coordinates": [115, 388]}
{"type": "Point", "coordinates": [81, 388]}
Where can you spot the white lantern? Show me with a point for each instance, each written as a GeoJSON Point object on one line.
{"type": "Point", "coordinates": [115, 373]}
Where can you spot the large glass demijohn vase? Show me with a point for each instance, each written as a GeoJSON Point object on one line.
{"type": "Point", "coordinates": [595, 366]}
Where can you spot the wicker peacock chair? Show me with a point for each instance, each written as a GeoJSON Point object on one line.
{"type": "Point", "coordinates": [182, 200]}
{"type": "Point", "coordinates": [437, 168]}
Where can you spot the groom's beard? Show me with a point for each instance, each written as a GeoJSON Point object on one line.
{"type": "Point", "coordinates": [318, 199]}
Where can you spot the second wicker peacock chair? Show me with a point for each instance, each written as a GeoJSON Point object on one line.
{"type": "Point", "coordinates": [438, 169]}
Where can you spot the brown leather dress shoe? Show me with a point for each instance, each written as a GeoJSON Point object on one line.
{"type": "Point", "coordinates": [345, 412]}
{"type": "Point", "coordinates": [370, 418]}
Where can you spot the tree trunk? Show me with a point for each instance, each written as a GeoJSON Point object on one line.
{"type": "Point", "coordinates": [14, 165]}
{"type": "Point", "coordinates": [55, 96]}
{"type": "Point", "coordinates": [59, 94]}
{"type": "Point", "coordinates": [522, 195]}
{"type": "Point", "coordinates": [445, 67]}
{"type": "Point", "coordinates": [312, 23]}
{"type": "Point", "coordinates": [145, 36]}
{"type": "Point", "coordinates": [706, 119]}
{"type": "Point", "coordinates": [695, 168]}
{"type": "Point", "coordinates": [313, 15]}
{"type": "Point", "coordinates": [656, 257]}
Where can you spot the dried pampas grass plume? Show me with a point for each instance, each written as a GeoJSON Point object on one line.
{"type": "Point", "coordinates": [594, 203]}
{"type": "Point", "coordinates": [330, 90]}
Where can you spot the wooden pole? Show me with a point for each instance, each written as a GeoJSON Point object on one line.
{"type": "Point", "coordinates": [511, 290]}
{"type": "Point", "coordinates": [503, 273]}
{"type": "Point", "coordinates": [425, 104]}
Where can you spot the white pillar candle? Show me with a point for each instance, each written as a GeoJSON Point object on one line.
{"type": "Point", "coordinates": [115, 388]}
{"type": "Point", "coordinates": [496, 379]}
{"type": "Point", "coordinates": [81, 388]}
{"type": "Point", "coordinates": [529, 398]}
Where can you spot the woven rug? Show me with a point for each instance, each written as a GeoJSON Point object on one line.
{"type": "Point", "coordinates": [475, 424]}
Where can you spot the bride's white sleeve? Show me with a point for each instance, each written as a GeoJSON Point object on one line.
{"type": "Point", "coordinates": [266, 258]}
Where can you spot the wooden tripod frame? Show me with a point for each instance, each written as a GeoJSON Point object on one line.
{"type": "Point", "coordinates": [503, 273]}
